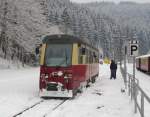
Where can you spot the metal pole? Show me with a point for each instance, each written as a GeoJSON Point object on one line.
{"type": "Point", "coordinates": [134, 86]}
{"type": "Point", "coordinates": [129, 86]}
{"type": "Point", "coordinates": [142, 105]}
{"type": "Point", "coordinates": [133, 76]}
{"type": "Point", "coordinates": [136, 99]}
{"type": "Point", "coordinates": [134, 68]}
{"type": "Point", "coordinates": [125, 66]}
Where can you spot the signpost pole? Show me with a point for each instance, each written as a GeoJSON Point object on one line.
{"type": "Point", "coordinates": [125, 66]}
{"type": "Point", "coordinates": [134, 68]}
{"type": "Point", "coordinates": [134, 86]}
{"type": "Point", "coordinates": [134, 53]}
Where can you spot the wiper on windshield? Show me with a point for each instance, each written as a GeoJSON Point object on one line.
{"type": "Point", "coordinates": [64, 61]}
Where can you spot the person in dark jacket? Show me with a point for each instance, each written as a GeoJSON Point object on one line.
{"type": "Point", "coordinates": [113, 68]}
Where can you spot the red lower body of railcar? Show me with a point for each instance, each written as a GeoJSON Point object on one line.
{"type": "Point", "coordinates": [65, 81]}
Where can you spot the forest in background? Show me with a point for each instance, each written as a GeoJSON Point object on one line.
{"type": "Point", "coordinates": [104, 24]}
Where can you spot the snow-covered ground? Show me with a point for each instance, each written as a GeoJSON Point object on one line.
{"type": "Point", "coordinates": [102, 99]}
{"type": "Point", "coordinates": [19, 89]}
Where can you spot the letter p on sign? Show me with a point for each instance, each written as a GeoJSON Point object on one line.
{"type": "Point", "coordinates": [134, 48]}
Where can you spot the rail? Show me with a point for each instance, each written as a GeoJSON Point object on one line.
{"type": "Point", "coordinates": [38, 104]}
{"type": "Point", "coordinates": [133, 91]}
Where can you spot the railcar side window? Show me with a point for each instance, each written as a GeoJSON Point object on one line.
{"type": "Point", "coordinates": [86, 53]}
{"type": "Point", "coordinates": [95, 56]}
{"type": "Point", "coordinates": [83, 51]}
{"type": "Point", "coordinates": [82, 55]}
{"type": "Point", "coordinates": [144, 60]}
{"type": "Point", "coordinates": [91, 57]}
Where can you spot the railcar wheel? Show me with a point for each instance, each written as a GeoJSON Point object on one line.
{"type": "Point", "coordinates": [88, 83]}
{"type": "Point", "coordinates": [93, 80]}
{"type": "Point", "coordinates": [82, 87]}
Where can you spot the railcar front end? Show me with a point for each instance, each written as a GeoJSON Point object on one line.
{"type": "Point", "coordinates": [56, 70]}
{"type": "Point", "coordinates": [65, 66]}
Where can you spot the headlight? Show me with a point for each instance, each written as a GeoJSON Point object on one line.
{"type": "Point", "coordinates": [60, 73]}
{"type": "Point", "coordinates": [65, 77]}
{"type": "Point", "coordinates": [46, 76]}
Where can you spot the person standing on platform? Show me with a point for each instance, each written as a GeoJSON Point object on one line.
{"type": "Point", "coordinates": [113, 69]}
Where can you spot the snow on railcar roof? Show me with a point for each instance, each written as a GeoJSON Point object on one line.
{"type": "Point", "coordinates": [63, 38]}
{"type": "Point", "coordinates": [147, 55]}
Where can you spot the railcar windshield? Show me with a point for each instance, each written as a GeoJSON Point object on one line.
{"type": "Point", "coordinates": [58, 55]}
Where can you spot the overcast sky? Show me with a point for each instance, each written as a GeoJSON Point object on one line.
{"type": "Point", "coordinates": [83, 1]}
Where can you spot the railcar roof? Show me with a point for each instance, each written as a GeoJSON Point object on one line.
{"type": "Point", "coordinates": [147, 55]}
{"type": "Point", "coordinates": [63, 38]}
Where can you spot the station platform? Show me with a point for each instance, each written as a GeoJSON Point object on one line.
{"type": "Point", "coordinates": [104, 98]}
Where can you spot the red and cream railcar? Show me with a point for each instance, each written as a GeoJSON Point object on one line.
{"type": "Point", "coordinates": [67, 64]}
{"type": "Point", "coordinates": [143, 63]}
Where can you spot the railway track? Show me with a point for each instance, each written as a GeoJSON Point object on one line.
{"type": "Point", "coordinates": [28, 108]}
{"type": "Point", "coordinates": [41, 109]}
{"type": "Point", "coordinates": [57, 106]}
